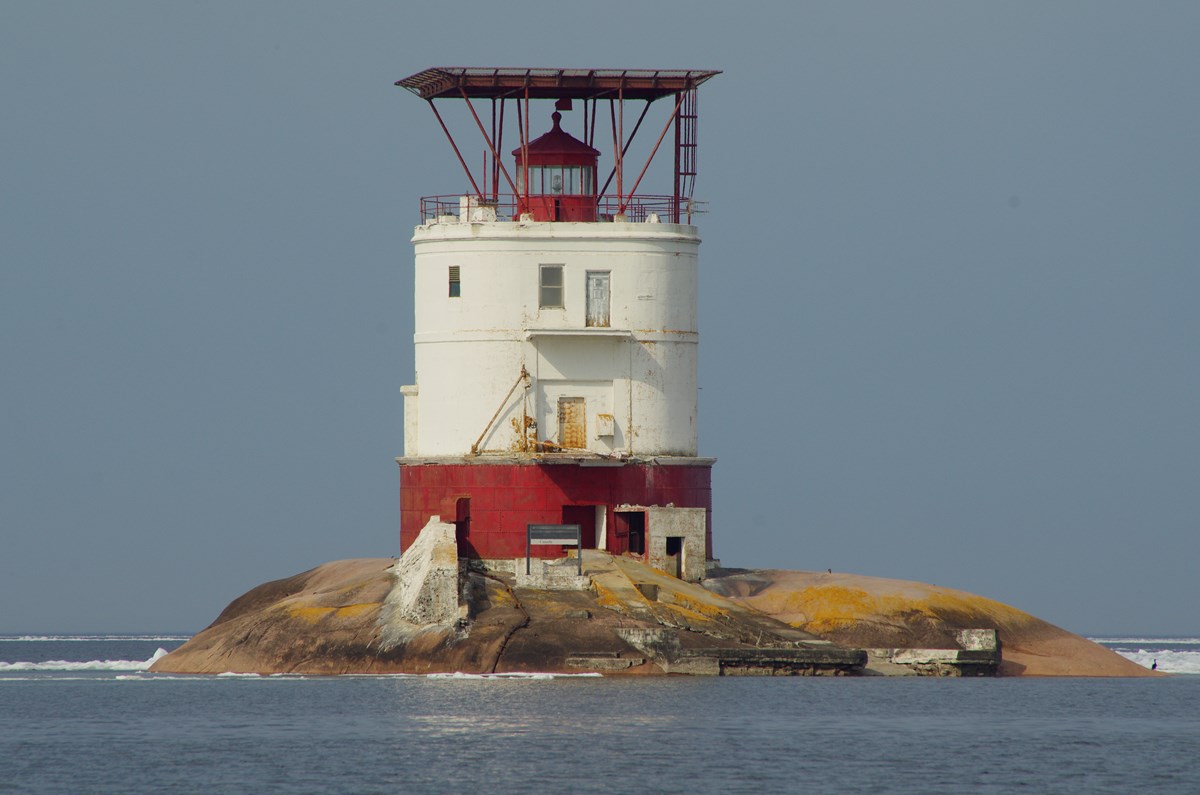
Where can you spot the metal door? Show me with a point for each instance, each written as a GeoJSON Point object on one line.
{"type": "Point", "coordinates": [572, 425]}
{"type": "Point", "coordinates": [597, 299]}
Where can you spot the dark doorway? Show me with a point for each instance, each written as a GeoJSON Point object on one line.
{"type": "Point", "coordinates": [675, 556]}
{"type": "Point", "coordinates": [632, 524]}
{"type": "Point", "coordinates": [462, 521]}
{"type": "Point", "coordinates": [585, 517]}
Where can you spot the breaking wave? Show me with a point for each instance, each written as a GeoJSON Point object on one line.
{"type": "Point", "coordinates": [1147, 641]}
{"type": "Point", "coordinates": [460, 675]}
{"type": "Point", "coordinates": [1172, 662]}
{"type": "Point", "coordinates": [92, 638]}
{"type": "Point", "coordinates": [87, 665]}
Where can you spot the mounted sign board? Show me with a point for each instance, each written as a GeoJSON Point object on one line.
{"type": "Point", "coordinates": [554, 534]}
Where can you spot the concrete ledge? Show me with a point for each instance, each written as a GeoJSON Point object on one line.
{"type": "Point", "coordinates": [601, 662]}
{"type": "Point", "coordinates": [979, 655]}
{"type": "Point", "coordinates": [557, 574]}
{"type": "Point", "coordinates": [826, 661]}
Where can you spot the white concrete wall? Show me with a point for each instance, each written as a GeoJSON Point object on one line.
{"type": "Point", "coordinates": [470, 349]}
{"type": "Point", "coordinates": [686, 523]}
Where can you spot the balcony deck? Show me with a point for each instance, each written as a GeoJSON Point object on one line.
{"type": "Point", "coordinates": [638, 209]}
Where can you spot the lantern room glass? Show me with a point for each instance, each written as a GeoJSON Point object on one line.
{"type": "Point", "coordinates": [558, 180]}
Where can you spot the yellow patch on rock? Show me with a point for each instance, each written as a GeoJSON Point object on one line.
{"type": "Point", "coordinates": [312, 614]}
{"type": "Point", "coordinates": [605, 596]}
{"type": "Point", "coordinates": [353, 611]}
{"type": "Point", "coordinates": [308, 613]}
{"type": "Point", "coordinates": [706, 610]}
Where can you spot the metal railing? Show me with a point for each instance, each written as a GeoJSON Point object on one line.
{"type": "Point", "coordinates": [669, 209]}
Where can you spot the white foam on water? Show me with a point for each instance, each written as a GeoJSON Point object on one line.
{"type": "Point", "coordinates": [6, 679]}
{"type": "Point", "coordinates": [1148, 641]}
{"type": "Point", "coordinates": [236, 675]}
{"type": "Point", "coordinates": [91, 638]}
{"type": "Point", "coordinates": [1172, 662]}
{"type": "Point", "coordinates": [527, 676]}
{"type": "Point", "coordinates": [88, 665]}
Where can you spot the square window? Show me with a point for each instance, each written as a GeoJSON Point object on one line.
{"type": "Point", "coordinates": [550, 287]}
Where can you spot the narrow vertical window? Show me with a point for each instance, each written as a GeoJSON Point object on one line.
{"type": "Point", "coordinates": [550, 287]}
{"type": "Point", "coordinates": [455, 282]}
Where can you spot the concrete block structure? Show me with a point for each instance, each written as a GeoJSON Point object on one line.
{"type": "Point", "coordinates": [556, 331]}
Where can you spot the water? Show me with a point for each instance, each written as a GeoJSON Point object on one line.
{"type": "Point", "coordinates": [1173, 655]}
{"type": "Point", "coordinates": [80, 716]}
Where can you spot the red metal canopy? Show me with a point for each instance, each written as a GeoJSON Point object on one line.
{"type": "Point", "coordinates": [647, 84]}
{"type": "Point", "coordinates": [613, 87]}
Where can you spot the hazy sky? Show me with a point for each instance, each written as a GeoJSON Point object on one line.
{"type": "Point", "coordinates": [948, 292]}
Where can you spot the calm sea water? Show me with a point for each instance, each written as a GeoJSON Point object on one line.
{"type": "Point", "coordinates": [78, 715]}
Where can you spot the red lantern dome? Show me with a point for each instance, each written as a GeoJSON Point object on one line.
{"type": "Point", "coordinates": [562, 176]}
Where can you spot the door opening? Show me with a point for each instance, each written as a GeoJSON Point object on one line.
{"type": "Point", "coordinates": [585, 517]}
{"type": "Point", "coordinates": [632, 525]}
{"type": "Point", "coordinates": [598, 299]}
{"type": "Point", "coordinates": [675, 555]}
{"type": "Point", "coordinates": [572, 423]}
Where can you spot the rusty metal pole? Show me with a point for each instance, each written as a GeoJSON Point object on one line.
{"type": "Point", "coordinates": [454, 146]}
{"type": "Point", "coordinates": [674, 115]}
{"type": "Point", "coordinates": [523, 376]}
{"type": "Point", "coordinates": [525, 146]}
{"type": "Point", "coordinates": [612, 116]}
{"type": "Point", "coordinates": [625, 149]}
{"type": "Point", "coordinates": [486, 139]}
{"type": "Point", "coordinates": [678, 186]}
{"type": "Point", "coordinates": [495, 176]}
{"type": "Point", "coordinates": [621, 163]}
{"type": "Point", "coordinates": [591, 141]}
{"type": "Point", "coordinates": [499, 148]}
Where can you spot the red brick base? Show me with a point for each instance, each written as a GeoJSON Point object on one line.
{"type": "Point", "coordinates": [492, 503]}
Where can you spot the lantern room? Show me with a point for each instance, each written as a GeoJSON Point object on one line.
{"type": "Point", "coordinates": [557, 174]}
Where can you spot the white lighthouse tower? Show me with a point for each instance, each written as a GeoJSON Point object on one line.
{"type": "Point", "coordinates": [555, 326]}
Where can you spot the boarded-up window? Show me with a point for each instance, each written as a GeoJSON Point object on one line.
{"type": "Point", "coordinates": [550, 287]}
{"type": "Point", "coordinates": [455, 282]}
{"type": "Point", "coordinates": [597, 299]}
{"type": "Point", "coordinates": [572, 424]}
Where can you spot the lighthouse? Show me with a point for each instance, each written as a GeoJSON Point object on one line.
{"type": "Point", "coordinates": [555, 329]}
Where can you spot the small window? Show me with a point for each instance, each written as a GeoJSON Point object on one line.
{"type": "Point", "coordinates": [550, 292]}
{"type": "Point", "coordinates": [455, 282]}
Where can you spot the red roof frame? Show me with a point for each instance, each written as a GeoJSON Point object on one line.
{"type": "Point", "coordinates": [492, 82]}
{"type": "Point", "coordinates": [616, 86]}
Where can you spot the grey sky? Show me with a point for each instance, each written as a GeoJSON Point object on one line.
{"type": "Point", "coordinates": [947, 298]}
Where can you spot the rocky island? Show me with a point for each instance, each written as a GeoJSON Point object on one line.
{"type": "Point", "coordinates": [430, 611]}
{"type": "Point", "coordinates": [556, 340]}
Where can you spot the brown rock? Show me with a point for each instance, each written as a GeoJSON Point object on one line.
{"type": "Point", "coordinates": [327, 621]}
{"type": "Point", "coordinates": [873, 612]}
{"type": "Point", "coordinates": [330, 620]}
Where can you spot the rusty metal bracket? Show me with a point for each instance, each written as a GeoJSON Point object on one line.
{"type": "Point", "coordinates": [624, 149]}
{"type": "Point", "coordinates": [524, 376]}
{"type": "Point", "coordinates": [454, 146]}
{"type": "Point", "coordinates": [653, 152]}
{"type": "Point", "coordinates": [487, 139]}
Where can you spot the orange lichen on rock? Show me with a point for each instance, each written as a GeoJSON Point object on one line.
{"type": "Point", "coordinates": [330, 620]}
{"type": "Point", "coordinates": [698, 607]}
{"type": "Point", "coordinates": [605, 596]}
{"type": "Point", "coordinates": [874, 612]}
{"type": "Point", "coordinates": [310, 614]}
